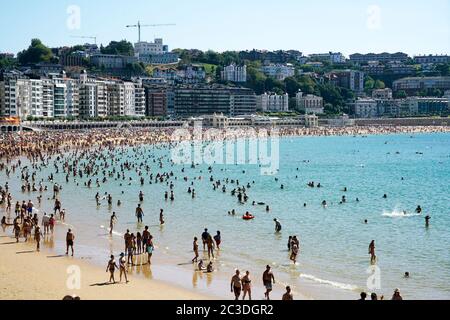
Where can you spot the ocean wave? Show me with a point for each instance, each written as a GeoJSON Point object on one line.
{"type": "Point", "coordinates": [335, 284]}
{"type": "Point", "coordinates": [399, 214]}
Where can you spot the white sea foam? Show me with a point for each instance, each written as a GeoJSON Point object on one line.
{"type": "Point", "coordinates": [114, 232]}
{"type": "Point", "coordinates": [335, 284]}
{"type": "Point", "coordinates": [399, 214]}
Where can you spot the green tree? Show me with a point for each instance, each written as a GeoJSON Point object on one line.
{"type": "Point", "coordinates": [379, 84]}
{"type": "Point", "coordinates": [36, 52]}
{"type": "Point", "coordinates": [401, 94]}
{"type": "Point", "coordinates": [292, 86]}
{"type": "Point", "coordinates": [369, 83]}
{"type": "Point", "coordinates": [443, 69]}
{"type": "Point", "coordinates": [123, 47]}
{"type": "Point", "coordinates": [7, 63]}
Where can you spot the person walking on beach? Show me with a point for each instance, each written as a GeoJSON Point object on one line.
{"type": "Point", "coordinates": [288, 295]}
{"type": "Point", "coordinates": [195, 248]}
{"type": "Point", "coordinates": [123, 267]}
{"type": "Point", "coordinates": [111, 268]}
{"type": "Point", "coordinates": [268, 279]}
{"type": "Point", "coordinates": [247, 286]}
{"type": "Point", "coordinates": [16, 230]}
{"type": "Point", "coordinates": [372, 252]}
{"type": "Point", "coordinates": [139, 213]}
{"type": "Point", "coordinates": [236, 285]}
{"type": "Point", "coordinates": [46, 223]}
{"type": "Point", "coordinates": [37, 238]}
{"type": "Point", "coordinates": [70, 237]}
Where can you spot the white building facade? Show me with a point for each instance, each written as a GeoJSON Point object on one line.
{"type": "Point", "coordinates": [309, 103]}
{"type": "Point", "coordinates": [234, 73]}
{"type": "Point", "coordinates": [271, 102]}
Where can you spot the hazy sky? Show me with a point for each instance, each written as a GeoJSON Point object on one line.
{"type": "Point", "coordinates": [311, 26]}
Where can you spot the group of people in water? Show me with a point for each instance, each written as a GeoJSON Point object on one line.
{"type": "Point", "coordinates": [94, 158]}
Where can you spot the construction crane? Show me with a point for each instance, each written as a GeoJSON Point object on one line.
{"type": "Point", "coordinates": [86, 37]}
{"type": "Point", "coordinates": [139, 26]}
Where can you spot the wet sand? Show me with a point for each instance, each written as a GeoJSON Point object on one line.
{"type": "Point", "coordinates": [28, 275]}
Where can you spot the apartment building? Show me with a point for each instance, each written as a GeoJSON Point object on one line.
{"type": "Point", "coordinates": [272, 102]}
{"type": "Point", "coordinates": [384, 57]}
{"type": "Point", "coordinates": [415, 84]}
{"type": "Point", "coordinates": [234, 73]}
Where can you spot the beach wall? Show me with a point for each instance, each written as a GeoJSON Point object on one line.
{"type": "Point", "coordinates": [404, 122]}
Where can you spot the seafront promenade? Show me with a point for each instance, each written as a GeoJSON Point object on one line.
{"type": "Point", "coordinates": [153, 124]}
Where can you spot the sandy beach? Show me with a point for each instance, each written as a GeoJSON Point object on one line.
{"type": "Point", "coordinates": [28, 275]}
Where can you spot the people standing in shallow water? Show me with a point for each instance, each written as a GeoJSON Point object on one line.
{"type": "Point", "coordinates": [161, 217]}
{"type": "Point", "coordinates": [195, 249]}
{"type": "Point", "coordinates": [372, 252]}
{"type": "Point", "coordinates": [112, 222]}
{"type": "Point", "coordinates": [205, 236]}
{"type": "Point", "coordinates": [427, 221]}
{"type": "Point", "coordinates": [277, 226]}
{"type": "Point", "coordinates": [218, 240]}
{"type": "Point", "coordinates": [139, 213]}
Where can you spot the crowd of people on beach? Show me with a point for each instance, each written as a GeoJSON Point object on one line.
{"type": "Point", "coordinates": [93, 158]}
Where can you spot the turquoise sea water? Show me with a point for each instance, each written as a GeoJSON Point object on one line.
{"type": "Point", "coordinates": [334, 240]}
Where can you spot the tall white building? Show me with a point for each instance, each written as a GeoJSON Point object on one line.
{"type": "Point", "coordinates": [234, 73]}
{"type": "Point", "coordinates": [365, 108]}
{"type": "Point", "coordinates": [36, 98]}
{"type": "Point", "coordinates": [272, 102]}
{"type": "Point", "coordinates": [61, 97]}
{"type": "Point", "coordinates": [150, 48]}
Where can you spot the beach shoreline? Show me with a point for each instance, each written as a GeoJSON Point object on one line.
{"type": "Point", "coordinates": [29, 275]}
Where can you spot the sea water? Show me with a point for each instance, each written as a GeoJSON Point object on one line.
{"type": "Point", "coordinates": [333, 262]}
